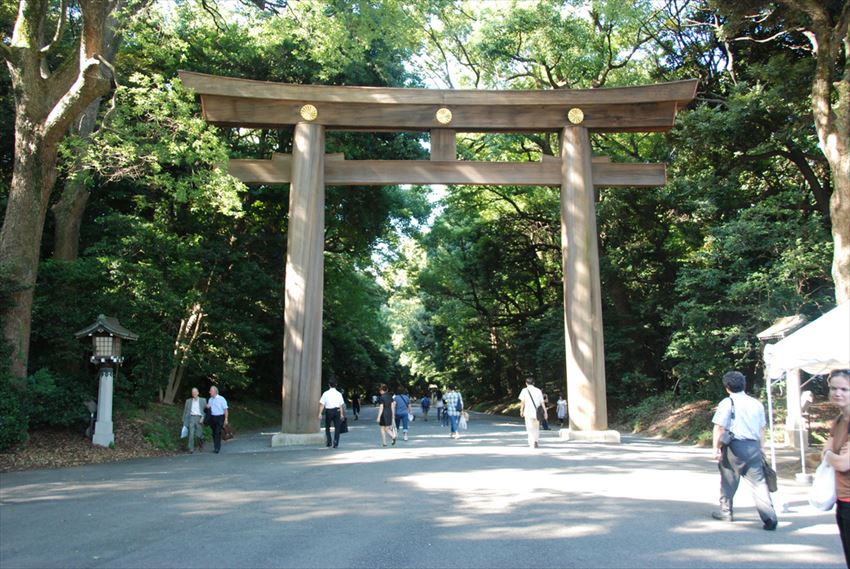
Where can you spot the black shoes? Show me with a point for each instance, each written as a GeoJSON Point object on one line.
{"type": "Point", "coordinates": [722, 516]}
{"type": "Point", "coordinates": [770, 525]}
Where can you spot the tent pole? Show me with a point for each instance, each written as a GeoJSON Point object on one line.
{"type": "Point", "coordinates": [770, 421]}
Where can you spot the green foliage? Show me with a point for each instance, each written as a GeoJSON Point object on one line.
{"type": "Point", "coordinates": [13, 417]}
{"type": "Point", "coordinates": [160, 425]}
{"type": "Point", "coordinates": [54, 402]}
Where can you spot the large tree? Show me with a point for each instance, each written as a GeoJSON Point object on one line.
{"type": "Point", "coordinates": [825, 25]}
{"type": "Point", "coordinates": [56, 74]}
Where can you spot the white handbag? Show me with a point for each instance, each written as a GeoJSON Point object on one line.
{"type": "Point", "coordinates": [822, 494]}
{"type": "Point", "coordinates": [184, 432]}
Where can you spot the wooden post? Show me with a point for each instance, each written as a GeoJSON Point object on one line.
{"type": "Point", "coordinates": [795, 428]}
{"type": "Point", "coordinates": [585, 351]}
{"type": "Point", "coordinates": [443, 144]}
{"type": "Point", "coordinates": [302, 342]}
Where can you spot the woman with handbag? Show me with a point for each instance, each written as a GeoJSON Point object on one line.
{"type": "Point", "coordinates": [386, 414]}
{"type": "Point", "coordinates": [837, 454]}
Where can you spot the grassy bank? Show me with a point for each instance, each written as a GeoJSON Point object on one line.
{"type": "Point", "coordinates": [161, 424]}
{"type": "Point", "coordinates": [152, 431]}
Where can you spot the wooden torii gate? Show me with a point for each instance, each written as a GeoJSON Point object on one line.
{"type": "Point", "coordinates": [313, 109]}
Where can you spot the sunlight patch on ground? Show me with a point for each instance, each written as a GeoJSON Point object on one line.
{"type": "Point", "coordinates": [819, 529]}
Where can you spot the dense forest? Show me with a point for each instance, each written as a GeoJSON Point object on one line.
{"type": "Point", "coordinates": [134, 216]}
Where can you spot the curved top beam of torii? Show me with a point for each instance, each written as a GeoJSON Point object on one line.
{"type": "Point", "coordinates": [231, 101]}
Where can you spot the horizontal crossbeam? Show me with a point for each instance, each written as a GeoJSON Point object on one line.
{"type": "Point", "coordinates": [229, 101]}
{"type": "Point", "coordinates": [339, 172]}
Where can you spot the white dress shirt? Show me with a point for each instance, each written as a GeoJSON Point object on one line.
{"type": "Point", "coordinates": [332, 399]}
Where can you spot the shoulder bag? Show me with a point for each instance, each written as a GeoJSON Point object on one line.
{"type": "Point", "coordinates": [769, 474]}
{"type": "Point", "coordinates": [541, 415]}
{"type": "Point", "coordinates": [822, 494]}
{"type": "Point", "coordinates": [726, 437]}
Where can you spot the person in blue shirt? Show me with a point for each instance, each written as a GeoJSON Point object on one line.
{"type": "Point", "coordinates": [402, 410]}
{"type": "Point", "coordinates": [219, 415]}
{"type": "Point", "coordinates": [426, 405]}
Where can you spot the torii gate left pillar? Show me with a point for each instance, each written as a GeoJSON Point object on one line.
{"type": "Point", "coordinates": [585, 349]}
{"type": "Point", "coordinates": [303, 291]}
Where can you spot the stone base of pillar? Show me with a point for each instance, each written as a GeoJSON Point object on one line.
{"type": "Point", "coordinates": [292, 440]}
{"type": "Point", "coordinates": [103, 435]}
{"type": "Point", "coordinates": [792, 438]}
{"type": "Point", "coordinates": [590, 436]}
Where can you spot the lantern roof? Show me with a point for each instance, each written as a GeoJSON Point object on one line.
{"type": "Point", "coordinates": [107, 325]}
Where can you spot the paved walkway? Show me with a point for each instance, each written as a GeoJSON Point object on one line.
{"type": "Point", "coordinates": [482, 501]}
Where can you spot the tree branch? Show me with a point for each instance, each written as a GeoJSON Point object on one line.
{"type": "Point", "coordinates": [60, 28]}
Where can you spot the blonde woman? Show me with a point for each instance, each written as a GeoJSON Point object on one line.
{"type": "Point", "coordinates": [837, 454]}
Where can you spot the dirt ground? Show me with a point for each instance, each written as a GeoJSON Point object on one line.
{"type": "Point", "coordinates": [61, 448]}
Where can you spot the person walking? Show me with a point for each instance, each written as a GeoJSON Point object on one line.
{"type": "Point", "coordinates": [355, 404]}
{"type": "Point", "coordinates": [332, 406]}
{"type": "Point", "coordinates": [453, 409]}
{"type": "Point", "coordinates": [438, 403]}
{"type": "Point", "coordinates": [739, 420]}
{"type": "Point", "coordinates": [402, 412]}
{"type": "Point", "coordinates": [530, 399]}
{"type": "Point", "coordinates": [837, 454]}
{"type": "Point", "coordinates": [386, 414]}
{"type": "Point", "coordinates": [425, 402]}
{"type": "Point", "coordinates": [193, 418]}
{"type": "Point", "coordinates": [561, 409]}
{"type": "Point", "coordinates": [219, 416]}
{"type": "Point", "coordinates": [544, 424]}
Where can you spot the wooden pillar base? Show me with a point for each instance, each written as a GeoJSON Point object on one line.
{"type": "Point", "coordinates": [611, 437]}
{"type": "Point", "coordinates": [291, 439]}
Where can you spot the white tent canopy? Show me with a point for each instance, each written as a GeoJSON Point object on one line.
{"type": "Point", "coordinates": [817, 348]}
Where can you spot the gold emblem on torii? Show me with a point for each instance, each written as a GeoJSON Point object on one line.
{"type": "Point", "coordinates": [309, 112]}
{"type": "Point", "coordinates": [575, 115]}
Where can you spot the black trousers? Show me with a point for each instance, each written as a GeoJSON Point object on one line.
{"type": "Point", "coordinates": [332, 416]}
{"type": "Point", "coordinates": [743, 459]}
{"type": "Point", "coordinates": [842, 516]}
{"type": "Point", "coordinates": [217, 424]}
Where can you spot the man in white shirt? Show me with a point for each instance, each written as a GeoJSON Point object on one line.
{"type": "Point", "coordinates": [743, 417]}
{"type": "Point", "coordinates": [332, 406]}
{"type": "Point", "coordinates": [193, 418]}
{"type": "Point", "coordinates": [530, 399]}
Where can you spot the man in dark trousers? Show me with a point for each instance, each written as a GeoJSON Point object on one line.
{"type": "Point", "coordinates": [332, 406]}
{"type": "Point", "coordinates": [355, 404]}
{"type": "Point", "coordinates": [218, 416]}
{"type": "Point", "coordinates": [740, 452]}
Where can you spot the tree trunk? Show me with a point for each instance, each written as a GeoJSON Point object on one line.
{"type": "Point", "coordinates": [839, 208]}
{"type": "Point", "coordinates": [47, 102]}
{"type": "Point", "coordinates": [187, 334]}
{"type": "Point", "coordinates": [69, 210]}
{"type": "Point", "coordinates": [831, 110]}
{"type": "Point", "coordinates": [34, 174]}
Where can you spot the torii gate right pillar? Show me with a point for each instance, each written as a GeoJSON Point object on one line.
{"type": "Point", "coordinates": [585, 350]}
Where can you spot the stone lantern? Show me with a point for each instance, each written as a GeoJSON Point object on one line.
{"type": "Point", "coordinates": [106, 334]}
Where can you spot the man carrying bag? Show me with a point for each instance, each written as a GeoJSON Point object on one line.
{"type": "Point", "coordinates": [532, 410]}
